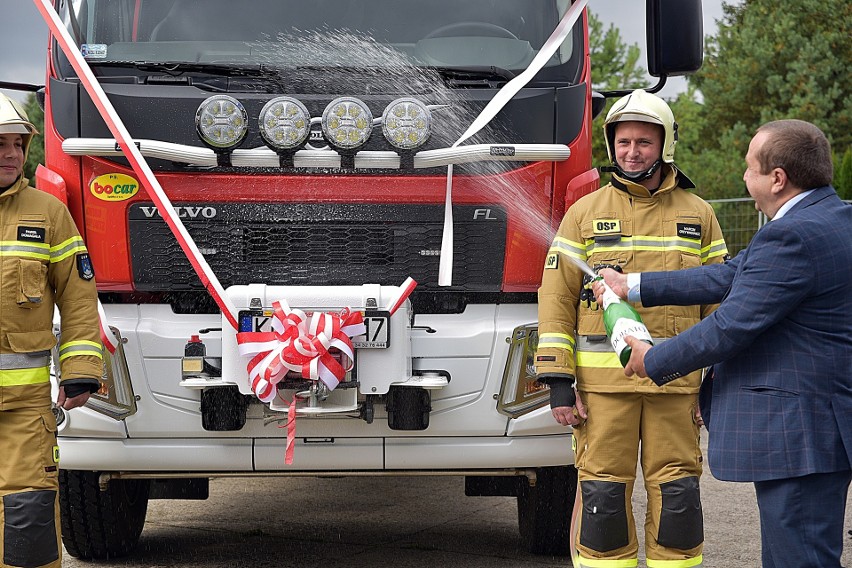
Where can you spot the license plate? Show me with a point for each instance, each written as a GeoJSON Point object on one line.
{"type": "Point", "coordinates": [376, 322]}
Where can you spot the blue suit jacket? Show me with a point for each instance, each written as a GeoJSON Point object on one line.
{"type": "Point", "coordinates": [780, 343]}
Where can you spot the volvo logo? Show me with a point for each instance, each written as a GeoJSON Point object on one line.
{"type": "Point", "coordinates": [187, 212]}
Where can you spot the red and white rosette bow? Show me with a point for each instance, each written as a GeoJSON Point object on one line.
{"type": "Point", "coordinates": [300, 343]}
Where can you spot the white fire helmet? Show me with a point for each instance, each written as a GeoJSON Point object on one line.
{"type": "Point", "coordinates": [641, 106]}
{"type": "Point", "coordinates": [14, 120]}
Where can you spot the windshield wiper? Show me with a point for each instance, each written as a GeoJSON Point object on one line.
{"type": "Point", "coordinates": [475, 74]}
{"type": "Point", "coordinates": [180, 67]}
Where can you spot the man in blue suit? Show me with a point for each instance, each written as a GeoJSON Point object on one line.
{"type": "Point", "coordinates": [779, 404]}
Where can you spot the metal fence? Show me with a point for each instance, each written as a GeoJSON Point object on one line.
{"type": "Point", "coordinates": [739, 220]}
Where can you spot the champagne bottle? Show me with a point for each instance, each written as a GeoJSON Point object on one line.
{"type": "Point", "coordinates": [621, 320]}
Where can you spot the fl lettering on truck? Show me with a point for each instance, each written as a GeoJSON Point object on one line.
{"type": "Point", "coordinates": [318, 253]}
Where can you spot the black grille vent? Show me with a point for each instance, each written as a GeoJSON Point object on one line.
{"type": "Point", "coordinates": [311, 244]}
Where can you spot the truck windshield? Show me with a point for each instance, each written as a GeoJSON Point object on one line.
{"type": "Point", "coordinates": [446, 34]}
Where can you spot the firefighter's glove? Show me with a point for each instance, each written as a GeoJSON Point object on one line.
{"type": "Point", "coordinates": [587, 296]}
{"type": "Point", "coordinates": [561, 388]}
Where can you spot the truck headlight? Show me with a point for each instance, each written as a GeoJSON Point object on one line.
{"type": "Point", "coordinates": [347, 123]}
{"type": "Point", "coordinates": [221, 122]}
{"type": "Point", "coordinates": [115, 397]}
{"type": "Point", "coordinates": [407, 123]}
{"type": "Point", "coordinates": [285, 123]}
{"type": "Point", "coordinates": [520, 393]}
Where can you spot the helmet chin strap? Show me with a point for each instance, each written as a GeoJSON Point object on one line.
{"type": "Point", "coordinates": [635, 177]}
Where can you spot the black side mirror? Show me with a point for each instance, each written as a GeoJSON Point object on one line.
{"type": "Point", "coordinates": [598, 104]}
{"type": "Point", "coordinates": [675, 37]}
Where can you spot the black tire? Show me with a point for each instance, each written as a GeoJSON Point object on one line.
{"type": "Point", "coordinates": [101, 524]}
{"type": "Point", "coordinates": [544, 511]}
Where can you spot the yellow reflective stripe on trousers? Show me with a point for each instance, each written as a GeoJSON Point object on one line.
{"type": "Point", "coordinates": [606, 563]}
{"type": "Point", "coordinates": [82, 347]}
{"type": "Point", "coordinates": [685, 563]}
{"type": "Point", "coordinates": [19, 377]}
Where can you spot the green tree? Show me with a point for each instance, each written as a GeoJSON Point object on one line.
{"type": "Point", "coordinates": [35, 156]}
{"type": "Point", "coordinates": [771, 60]}
{"type": "Point", "coordinates": [615, 65]}
{"type": "Point", "coordinates": [843, 174]}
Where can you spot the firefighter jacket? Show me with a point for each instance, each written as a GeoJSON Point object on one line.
{"type": "Point", "coordinates": [43, 263]}
{"type": "Point", "coordinates": [626, 225]}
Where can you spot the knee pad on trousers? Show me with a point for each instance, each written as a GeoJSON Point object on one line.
{"type": "Point", "coordinates": [604, 522]}
{"type": "Point", "coordinates": [29, 531]}
{"type": "Point", "coordinates": [681, 519]}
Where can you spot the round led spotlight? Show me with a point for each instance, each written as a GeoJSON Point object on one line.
{"type": "Point", "coordinates": [221, 121]}
{"type": "Point", "coordinates": [407, 123]}
{"type": "Point", "coordinates": [284, 123]}
{"type": "Point", "coordinates": [347, 123]}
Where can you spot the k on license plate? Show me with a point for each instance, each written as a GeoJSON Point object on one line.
{"type": "Point", "coordinates": [376, 322]}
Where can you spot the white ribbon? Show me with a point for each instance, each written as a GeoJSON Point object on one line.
{"type": "Point", "coordinates": [495, 105]}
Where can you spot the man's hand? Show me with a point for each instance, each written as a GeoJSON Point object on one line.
{"type": "Point", "coordinates": [698, 419]}
{"type": "Point", "coordinates": [567, 416]}
{"type": "Point", "coordinates": [636, 365]}
{"type": "Point", "coordinates": [73, 402]}
{"type": "Point", "coordinates": [615, 280]}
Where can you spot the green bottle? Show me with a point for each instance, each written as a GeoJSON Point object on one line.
{"type": "Point", "coordinates": [621, 320]}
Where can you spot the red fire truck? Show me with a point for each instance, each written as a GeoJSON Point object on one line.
{"type": "Point", "coordinates": [305, 147]}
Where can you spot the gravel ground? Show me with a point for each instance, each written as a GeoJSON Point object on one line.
{"type": "Point", "coordinates": [400, 522]}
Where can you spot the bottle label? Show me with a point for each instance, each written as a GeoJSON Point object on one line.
{"type": "Point", "coordinates": [624, 327]}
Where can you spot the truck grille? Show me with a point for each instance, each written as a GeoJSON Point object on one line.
{"type": "Point", "coordinates": [313, 244]}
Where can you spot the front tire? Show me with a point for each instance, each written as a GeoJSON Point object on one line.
{"type": "Point", "coordinates": [544, 511]}
{"type": "Point", "coordinates": [101, 524]}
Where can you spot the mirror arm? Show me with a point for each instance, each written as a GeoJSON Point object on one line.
{"type": "Point", "coordinates": [654, 89]}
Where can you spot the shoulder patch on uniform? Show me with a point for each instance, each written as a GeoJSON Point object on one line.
{"type": "Point", "coordinates": [31, 234]}
{"type": "Point", "coordinates": [606, 226]}
{"type": "Point", "coordinates": [689, 230]}
{"type": "Point", "coordinates": [84, 267]}
{"type": "Point", "coordinates": [552, 260]}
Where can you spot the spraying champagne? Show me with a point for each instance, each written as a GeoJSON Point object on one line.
{"type": "Point", "coordinates": [620, 318]}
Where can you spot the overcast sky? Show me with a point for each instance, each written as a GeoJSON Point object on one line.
{"type": "Point", "coordinates": [23, 41]}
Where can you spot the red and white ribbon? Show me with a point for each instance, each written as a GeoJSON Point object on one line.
{"type": "Point", "coordinates": [300, 343]}
{"type": "Point", "coordinates": [405, 291]}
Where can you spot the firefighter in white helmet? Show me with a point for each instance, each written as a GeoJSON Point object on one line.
{"type": "Point", "coordinates": [43, 263]}
{"type": "Point", "coordinates": [644, 219]}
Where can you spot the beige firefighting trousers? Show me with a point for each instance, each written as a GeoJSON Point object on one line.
{"type": "Point", "coordinates": [29, 487]}
{"type": "Point", "coordinates": [607, 447]}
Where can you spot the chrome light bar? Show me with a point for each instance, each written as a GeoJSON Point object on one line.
{"type": "Point", "coordinates": [266, 158]}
